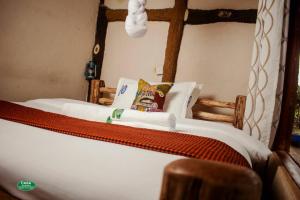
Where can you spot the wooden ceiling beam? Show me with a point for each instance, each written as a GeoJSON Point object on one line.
{"type": "Point", "coordinates": [197, 17]}
{"type": "Point", "coordinates": [153, 14]}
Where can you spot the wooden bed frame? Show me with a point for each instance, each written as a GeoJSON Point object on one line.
{"type": "Point", "coordinates": [201, 179]}
{"type": "Point", "coordinates": [194, 178]}
{"type": "Point", "coordinates": [98, 90]}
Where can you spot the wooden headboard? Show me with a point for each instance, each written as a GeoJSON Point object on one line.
{"type": "Point", "coordinates": [236, 119]}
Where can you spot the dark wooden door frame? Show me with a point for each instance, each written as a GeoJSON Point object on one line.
{"type": "Point", "coordinates": [285, 127]}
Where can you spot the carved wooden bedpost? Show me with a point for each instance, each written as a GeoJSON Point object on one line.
{"type": "Point", "coordinates": [95, 92]}
{"type": "Point", "coordinates": [200, 179]}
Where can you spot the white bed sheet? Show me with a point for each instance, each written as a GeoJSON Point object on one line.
{"type": "Point", "coordinates": [68, 167]}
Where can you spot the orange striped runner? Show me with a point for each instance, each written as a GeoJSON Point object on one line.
{"type": "Point", "coordinates": [161, 141]}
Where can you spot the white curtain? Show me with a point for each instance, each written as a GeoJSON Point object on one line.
{"type": "Point", "coordinates": [267, 70]}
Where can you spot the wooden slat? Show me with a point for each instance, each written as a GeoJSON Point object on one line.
{"type": "Point", "coordinates": [214, 103]}
{"type": "Point", "coordinates": [197, 17]}
{"type": "Point", "coordinates": [153, 14]}
{"type": "Point", "coordinates": [213, 117]}
{"type": "Point", "coordinates": [108, 90]}
{"type": "Point", "coordinates": [174, 41]}
{"type": "Point", "coordinates": [105, 101]}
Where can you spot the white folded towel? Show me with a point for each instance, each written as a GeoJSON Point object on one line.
{"type": "Point", "coordinates": [136, 20]}
{"type": "Point", "coordinates": [151, 120]}
{"type": "Point", "coordinates": [128, 117]}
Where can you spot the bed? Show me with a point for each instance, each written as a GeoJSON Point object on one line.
{"type": "Point", "coordinates": [69, 167]}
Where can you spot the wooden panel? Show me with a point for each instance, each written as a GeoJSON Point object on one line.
{"type": "Point", "coordinates": [153, 14]}
{"type": "Point", "coordinates": [283, 176]}
{"type": "Point", "coordinates": [283, 186]}
{"type": "Point", "coordinates": [290, 165]}
{"type": "Point", "coordinates": [197, 17]}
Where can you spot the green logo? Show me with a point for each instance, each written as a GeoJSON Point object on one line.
{"type": "Point", "coordinates": [26, 186]}
{"type": "Point", "coordinates": [109, 120]}
{"type": "Point", "coordinates": [117, 113]}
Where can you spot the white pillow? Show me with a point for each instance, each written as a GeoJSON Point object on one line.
{"type": "Point", "coordinates": [125, 93]}
{"type": "Point", "coordinates": [193, 99]}
{"type": "Point", "coordinates": [176, 102]}
{"type": "Point", "coordinates": [177, 98]}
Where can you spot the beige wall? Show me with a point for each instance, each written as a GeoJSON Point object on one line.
{"type": "Point", "coordinates": [44, 45]}
{"type": "Point", "coordinates": [134, 58]}
{"type": "Point", "coordinates": [217, 55]}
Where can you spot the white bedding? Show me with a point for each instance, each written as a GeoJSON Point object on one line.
{"type": "Point", "coordinates": [67, 167]}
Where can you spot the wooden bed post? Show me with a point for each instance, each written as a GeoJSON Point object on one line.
{"type": "Point", "coordinates": [285, 126]}
{"type": "Point", "coordinates": [202, 179]}
{"type": "Point", "coordinates": [95, 92]}
{"type": "Point", "coordinates": [240, 105]}
{"type": "Point", "coordinates": [99, 46]}
{"type": "Point", "coordinates": [174, 41]}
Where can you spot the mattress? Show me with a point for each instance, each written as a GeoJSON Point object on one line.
{"type": "Point", "coordinates": [67, 167]}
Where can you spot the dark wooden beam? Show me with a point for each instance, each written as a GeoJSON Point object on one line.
{"type": "Point", "coordinates": [99, 46]}
{"type": "Point", "coordinates": [174, 40]}
{"type": "Point", "coordinates": [197, 17]}
{"type": "Point", "coordinates": [153, 14]}
{"type": "Point", "coordinates": [285, 127]}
